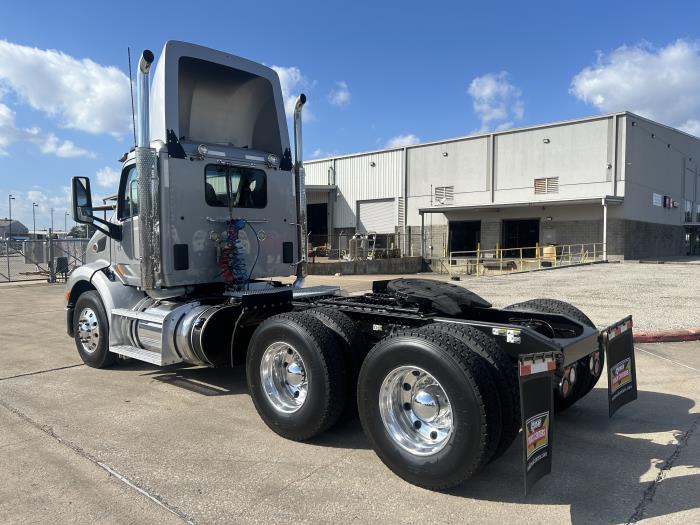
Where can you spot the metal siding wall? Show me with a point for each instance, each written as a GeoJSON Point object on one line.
{"type": "Point", "coordinates": [317, 172]}
{"type": "Point", "coordinates": [376, 216]}
{"type": "Point", "coordinates": [316, 197]}
{"type": "Point", "coordinates": [358, 180]}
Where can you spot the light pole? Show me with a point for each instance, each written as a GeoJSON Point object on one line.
{"type": "Point", "coordinates": [34, 207]}
{"type": "Point", "coordinates": [52, 230]}
{"type": "Point", "coordinates": [65, 224]}
{"type": "Point", "coordinates": [10, 198]}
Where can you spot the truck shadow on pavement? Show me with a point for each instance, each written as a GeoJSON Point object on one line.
{"type": "Point", "coordinates": [200, 380]}
{"type": "Point", "coordinates": [605, 470]}
{"type": "Point", "coordinates": [598, 463]}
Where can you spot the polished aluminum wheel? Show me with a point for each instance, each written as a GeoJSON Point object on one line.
{"type": "Point", "coordinates": [88, 330]}
{"type": "Point", "coordinates": [283, 377]}
{"type": "Point", "coordinates": [415, 410]}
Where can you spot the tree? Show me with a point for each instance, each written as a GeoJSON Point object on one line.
{"type": "Point", "coordinates": [79, 231]}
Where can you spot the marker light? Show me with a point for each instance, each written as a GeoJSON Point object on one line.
{"type": "Point", "coordinates": [273, 160]}
{"type": "Point", "coordinates": [203, 150]}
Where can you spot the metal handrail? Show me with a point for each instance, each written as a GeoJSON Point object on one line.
{"type": "Point", "coordinates": [520, 259]}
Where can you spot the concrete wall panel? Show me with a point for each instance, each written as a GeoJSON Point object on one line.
{"type": "Point", "coordinates": [577, 153]}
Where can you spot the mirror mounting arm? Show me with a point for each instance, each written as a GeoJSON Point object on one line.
{"type": "Point", "coordinates": [111, 230]}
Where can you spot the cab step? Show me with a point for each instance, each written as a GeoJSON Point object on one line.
{"type": "Point", "coordinates": [154, 358]}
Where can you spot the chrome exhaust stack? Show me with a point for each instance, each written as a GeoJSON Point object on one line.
{"type": "Point", "coordinates": [142, 99]}
{"type": "Point", "coordinates": [148, 185]}
{"type": "Point", "coordinates": [300, 186]}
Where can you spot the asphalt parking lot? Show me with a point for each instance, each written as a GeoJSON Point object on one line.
{"type": "Point", "coordinates": [140, 444]}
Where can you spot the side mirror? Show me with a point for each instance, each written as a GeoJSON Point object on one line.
{"type": "Point", "coordinates": [82, 200]}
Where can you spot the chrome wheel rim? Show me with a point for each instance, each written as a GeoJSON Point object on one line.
{"type": "Point", "coordinates": [415, 410]}
{"type": "Point", "coordinates": [88, 330]}
{"type": "Point", "coordinates": [283, 377]}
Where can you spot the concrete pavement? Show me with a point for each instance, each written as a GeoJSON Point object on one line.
{"type": "Point", "coordinates": [139, 444]}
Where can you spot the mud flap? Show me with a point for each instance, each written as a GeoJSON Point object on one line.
{"type": "Point", "coordinates": [536, 373]}
{"type": "Point", "coordinates": [622, 372]}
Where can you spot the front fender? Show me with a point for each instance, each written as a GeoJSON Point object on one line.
{"type": "Point", "coordinates": [112, 292]}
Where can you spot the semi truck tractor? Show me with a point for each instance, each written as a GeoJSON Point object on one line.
{"type": "Point", "coordinates": [209, 225]}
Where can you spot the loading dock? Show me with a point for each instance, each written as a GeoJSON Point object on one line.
{"type": "Point", "coordinates": [464, 236]}
{"type": "Point", "coordinates": [521, 233]}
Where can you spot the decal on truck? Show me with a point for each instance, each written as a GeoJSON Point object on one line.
{"type": "Point", "coordinates": [620, 377]}
{"type": "Point", "coordinates": [537, 428]}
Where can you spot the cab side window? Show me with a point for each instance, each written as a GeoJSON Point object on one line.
{"type": "Point", "coordinates": [128, 194]}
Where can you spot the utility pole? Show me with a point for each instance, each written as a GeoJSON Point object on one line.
{"type": "Point", "coordinates": [51, 222]}
{"type": "Point", "coordinates": [34, 207]}
{"type": "Point", "coordinates": [65, 224]}
{"type": "Point", "coordinates": [10, 198]}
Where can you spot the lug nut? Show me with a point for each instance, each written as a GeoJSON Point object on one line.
{"type": "Point", "coordinates": [416, 373]}
{"type": "Point", "coordinates": [433, 435]}
{"type": "Point", "coordinates": [417, 424]}
{"type": "Point", "coordinates": [296, 394]}
{"type": "Point", "coordinates": [406, 386]}
{"type": "Point", "coordinates": [407, 406]}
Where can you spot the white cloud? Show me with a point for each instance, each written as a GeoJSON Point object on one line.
{"type": "Point", "coordinates": [340, 96]}
{"type": "Point", "coordinates": [79, 93]}
{"type": "Point", "coordinates": [402, 140]}
{"type": "Point", "coordinates": [48, 144]}
{"type": "Point", "coordinates": [293, 82]}
{"type": "Point", "coordinates": [496, 101]}
{"type": "Point", "coordinates": [319, 153]}
{"type": "Point", "coordinates": [108, 177]}
{"type": "Point", "coordinates": [65, 149]}
{"type": "Point", "coordinates": [660, 84]}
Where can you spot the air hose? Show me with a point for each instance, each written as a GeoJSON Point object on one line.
{"type": "Point", "coordinates": [232, 254]}
{"type": "Point", "coordinates": [232, 258]}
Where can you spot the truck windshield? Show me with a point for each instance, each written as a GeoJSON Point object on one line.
{"type": "Point", "coordinates": [242, 187]}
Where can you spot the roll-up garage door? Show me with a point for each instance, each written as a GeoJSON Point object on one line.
{"type": "Point", "coordinates": [376, 216]}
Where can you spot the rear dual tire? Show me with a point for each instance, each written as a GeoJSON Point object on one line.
{"type": "Point", "coordinates": [296, 375]}
{"type": "Point", "coordinates": [587, 375]}
{"type": "Point", "coordinates": [429, 407]}
{"type": "Point", "coordinates": [503, 375]}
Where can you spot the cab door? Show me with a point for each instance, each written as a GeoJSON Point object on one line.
{"type": "Point", "coordinates": [127, 252]}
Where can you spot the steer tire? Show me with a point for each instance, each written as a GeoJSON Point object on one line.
{"type": "Point", "coordinates": [466, 382]}
{"type": "Point", "coordinates": [353, 346]}
{"type": "Point", "coordinates": [503, 373]}
{"type": "Point", "coordinates": [586, 380]}
{"type": "Point", "coordinates": [89, 313]}
{"type": "Point", "coordinates": [324, 373]}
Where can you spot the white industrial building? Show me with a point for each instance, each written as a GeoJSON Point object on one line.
{"type": "Point", "coordinates": [619, 178]}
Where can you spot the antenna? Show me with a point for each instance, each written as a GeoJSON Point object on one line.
{"type": "Point", "coordinates": [131, 89]}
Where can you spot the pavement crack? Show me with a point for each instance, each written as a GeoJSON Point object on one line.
{"type": "Point", "coordinates": [650, 492]}
{"type": "Point", "coordinates": [297, 480]}
{"type": "Point", "coordinates": [49, 431]}
{"type": "Point", "coordinates": [42, 371]}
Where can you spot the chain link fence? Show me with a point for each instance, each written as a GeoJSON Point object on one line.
{"type": "Point", "coordinates": [33, 260]}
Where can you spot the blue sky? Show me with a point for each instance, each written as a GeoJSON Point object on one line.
{"type": "Point", "coordinates": [376, 73]}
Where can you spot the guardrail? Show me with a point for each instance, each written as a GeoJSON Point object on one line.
{"type": "Point", "coordinates": [511, 260]}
